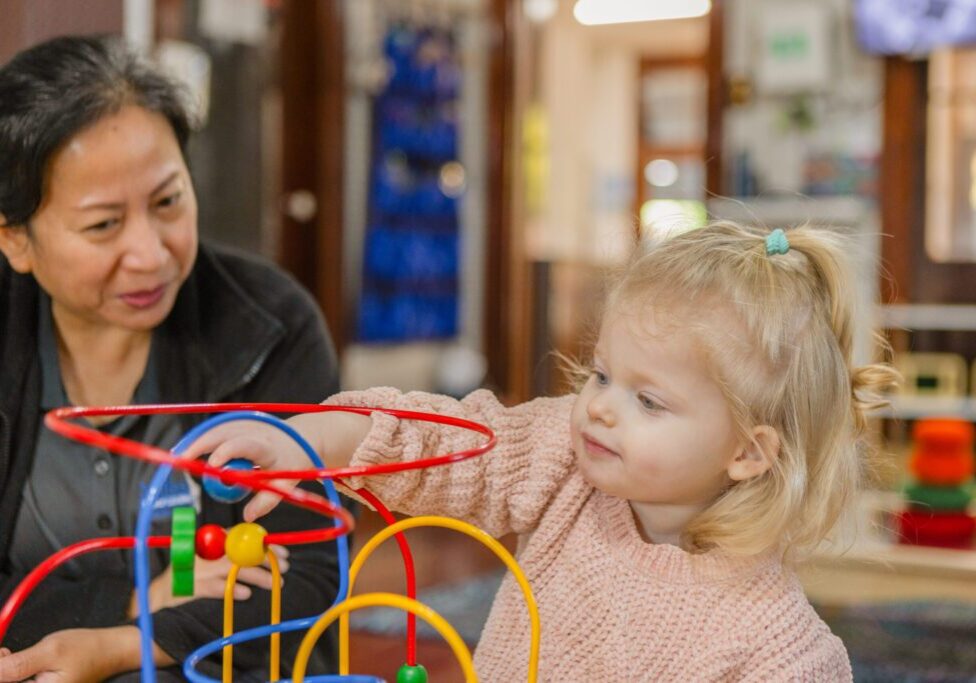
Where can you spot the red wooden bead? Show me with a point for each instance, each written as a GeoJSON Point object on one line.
{"type": "Point", "coordinates": [210, 541]}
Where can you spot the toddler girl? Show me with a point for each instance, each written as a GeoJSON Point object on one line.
{"type": "Point", "coordinates": [716, 436]}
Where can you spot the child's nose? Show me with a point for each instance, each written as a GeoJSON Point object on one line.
{"type": "Point", "coordinates": [599, 409]}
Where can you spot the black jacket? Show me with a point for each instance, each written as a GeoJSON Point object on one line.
{"type": "Point", "coordinates": [240, 331]}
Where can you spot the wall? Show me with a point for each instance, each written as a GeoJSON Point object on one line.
{"type": "Point", "coordinates": [588, 89]}
{"type": "Point", "coordinates": [26, 22]}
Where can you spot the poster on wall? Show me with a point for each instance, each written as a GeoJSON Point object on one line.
{"type": "Point", "coordinates": [793, 48]}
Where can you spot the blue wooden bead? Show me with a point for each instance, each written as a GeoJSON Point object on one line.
{"type": "Point", "coordinates": [227, 493]}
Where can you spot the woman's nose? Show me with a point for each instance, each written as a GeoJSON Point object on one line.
{"type": "Point", "coordinates": [144, 249]}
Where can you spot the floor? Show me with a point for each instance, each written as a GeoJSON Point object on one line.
{"type": "Point", "coordinates": [440, 556]}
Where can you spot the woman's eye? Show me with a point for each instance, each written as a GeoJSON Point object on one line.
{"type": "Point", "coordinates": [102, 225]}
{"type": "Point", "coordinates": [169, 200]}
{"type": "Point", "coordinates": [648, 403]}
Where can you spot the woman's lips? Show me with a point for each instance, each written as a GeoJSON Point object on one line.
{"type": "Point", "coordinates": [144, 298]}
{"type": "Point", "coordinates": [594, 447]}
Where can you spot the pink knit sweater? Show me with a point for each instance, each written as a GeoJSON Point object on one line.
{"type": "Point", "coordinates": [613, 608]}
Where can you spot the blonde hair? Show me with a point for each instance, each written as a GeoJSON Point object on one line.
{"type": "Point", "coordinates": [777, 332]}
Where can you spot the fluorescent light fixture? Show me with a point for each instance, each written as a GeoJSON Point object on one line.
{"type": "Point", "coordinates": [592, 12]}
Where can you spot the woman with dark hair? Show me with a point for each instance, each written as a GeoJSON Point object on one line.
{"type": "Point", "coordinates": [106, 298]}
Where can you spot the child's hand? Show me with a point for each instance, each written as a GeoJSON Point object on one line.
{"type": "Point", "coordinates": [333, 435]}
{"type": "Point", "coordinates": [264, 445]}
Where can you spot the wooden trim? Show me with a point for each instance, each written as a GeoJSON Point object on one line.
{"type": "Point", "coordinates": [331, 109]}
{"type": "Point", "coordinates": [498, 266]}
{"type": "Point", "coordinates": [674, 152]}
{"type": "Point", "coordinates": [717, 101]}
{"type": "Point", "coordinates": [313, 102]}
{"type": "Point", "coordinates": [901, 174]}
{"type": "Point", "coordinates": [298, 69]}
{"type": "Point", "coordinates": [682, 62]}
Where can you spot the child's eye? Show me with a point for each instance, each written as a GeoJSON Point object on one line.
{"type": "Point", "coordinates": [601, 377]}
{"type": "Point", "coordinates": [648, 403]}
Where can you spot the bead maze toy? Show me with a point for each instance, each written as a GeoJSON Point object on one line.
{"type": "Point", "coordinates": [249, 544]}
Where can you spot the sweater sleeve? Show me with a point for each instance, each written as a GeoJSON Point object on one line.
{"type": "Point", "coordinates": [504, 490]}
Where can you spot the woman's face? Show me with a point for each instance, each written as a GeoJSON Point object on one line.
{"type": "Point", "coordinates": [116, 233]}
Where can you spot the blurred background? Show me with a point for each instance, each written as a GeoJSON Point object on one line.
{"type": "Point", "coordinates": [452, 178]}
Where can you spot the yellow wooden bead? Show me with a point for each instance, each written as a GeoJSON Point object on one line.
{"type": "Point", "coordinates": [245, 544]}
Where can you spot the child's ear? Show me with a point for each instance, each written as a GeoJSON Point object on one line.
{"type": "Point", "coordinates": [14, 243]}
{"type": "Point", "coordinates": [757, 455]}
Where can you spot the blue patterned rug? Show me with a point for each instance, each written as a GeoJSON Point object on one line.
{"type": "Point", "coordinates": [903, 642]}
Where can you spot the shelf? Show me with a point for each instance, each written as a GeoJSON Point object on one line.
{"type": "Point", "coordinates": [929, 317]}
{"type": "Point", "coordinates": [869, 545]}
{"type": "Point", "coordinates": [915, 407]}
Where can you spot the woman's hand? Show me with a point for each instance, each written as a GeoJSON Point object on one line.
{"type": "Point", "coordinates": [80, 655]}
{"type": "Point", "coordinates": [209, 581]}
{"type": "Point", "coordinates": [333, 435]}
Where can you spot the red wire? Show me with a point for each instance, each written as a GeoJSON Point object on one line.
{"type": "Point", "coordinates": [408, 569]}
{"type": "Point", "coordinates": [56, 420]}
{"type": "Point", "coordinates": [40, 572]}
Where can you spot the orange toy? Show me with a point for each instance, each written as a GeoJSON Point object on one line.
{"type": "Point", "coordinates": [943, 453]}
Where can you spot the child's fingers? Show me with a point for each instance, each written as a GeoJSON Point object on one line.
{"type": "Point", "coordinates": [261, 504]}
{"type": "Point", "coordinates": [241, 447]}
{"type": "Point", "coordinates": [210, 440]}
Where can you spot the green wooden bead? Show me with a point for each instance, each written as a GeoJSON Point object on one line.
{"type": "Point", "coordinates": [182, 550]}
{"type": "Point", "coordinates": [183, 583]}
{"type": "Point", "coordinates": [412, 674]}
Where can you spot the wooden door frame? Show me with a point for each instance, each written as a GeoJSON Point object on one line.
{"type": "Point", "coordinates": [912, 275]}
{"type": "Point", "coordinates": [507, 339]}
{"type": "Point", "coordinates": [312, 67]}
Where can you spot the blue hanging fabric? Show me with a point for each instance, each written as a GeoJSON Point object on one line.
{"type": "Point", "coordinates": [411, 250]}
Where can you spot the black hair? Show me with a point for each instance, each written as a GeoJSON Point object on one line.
{"type": "Point", "coordinates": [52, 91]}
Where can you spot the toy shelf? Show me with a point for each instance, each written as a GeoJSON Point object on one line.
{"type": "Point", "coordinates": [865, 564]}
{"type": "Point", "coordinates": [915, 407]}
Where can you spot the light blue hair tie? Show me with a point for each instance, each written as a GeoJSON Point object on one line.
{"type": "Point", "coordinates": [776, 242]}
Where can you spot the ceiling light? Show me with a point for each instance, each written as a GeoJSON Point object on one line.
{"type": "Point", "coordinates": [592, 12]}
{"type": "Point", "coordinates": [540, 11]}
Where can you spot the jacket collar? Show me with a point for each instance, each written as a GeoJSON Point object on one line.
{"type": "Point", "coordinates": [214, 341]}
{"type": "Point", "coordinates": [217, 337]}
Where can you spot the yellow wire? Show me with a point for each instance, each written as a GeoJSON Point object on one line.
{"type": "Point", "coordinates": [465, 528]}
{"type": "Point", "coordinates": [227, 674]}
{"type": "Point", "coordinates": [440, 624]}
{"type": "Point", "coordinates": [275, 673]}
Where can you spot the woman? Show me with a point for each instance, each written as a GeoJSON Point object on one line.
{"type": "Point", "coordinates": [106, 298]}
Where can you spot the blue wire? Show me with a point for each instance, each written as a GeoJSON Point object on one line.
{"type": "Point", "coordinates": [142, 554]}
